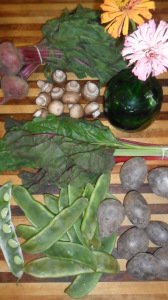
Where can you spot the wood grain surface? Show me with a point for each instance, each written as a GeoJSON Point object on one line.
{"type": "Point", "coordinates": [20, 22]}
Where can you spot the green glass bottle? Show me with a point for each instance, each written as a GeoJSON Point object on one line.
{"type": "Point", "coordinates": [131, 104]}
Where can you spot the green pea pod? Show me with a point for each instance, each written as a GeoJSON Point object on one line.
{"type": "Point", "coordinates": [9, 243]}
{"type": "Point", "coordinates": [85, 283]}
{"type": "Point", "coordinates": [27, 231]}
{"type": "Point", "coordinates": [55, 267]}
{"type": "Point", "coordinates": [75, 252]}
{"type": "Point", "coordinates": [51, 203]}
{"type": "Point", "coordinates": [34, 211]}
{"type": "Point", "coordinates": [73, 194]}
{"type": "Point", "coordinates": [89, 223]}
{"type": "Point", "coordinates": [56, 228]}
{"type": "Point", "coordinates": [63, 200]}
{"type": "Point", "coordinates": [106, 263]}
{"type": "Point", "coordinates": [88, 190]}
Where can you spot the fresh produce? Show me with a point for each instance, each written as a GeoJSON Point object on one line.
{"type": "Point", "coordinates": [131, 242]}
{"type": "Point", "coordinates": [137, 209]}
{"type": "Point", "coordinates": [11, 60]}
{"type": "Point", "coordinates": [110, 216]}
{"type": "Point", "coordinates": [13, 87]}
{"type": "Point", "coordinates": [56, 97]}
{"type": "Point", "coordinates": [75, 42]}
{"type": "Point", "coordinates": [158, 233]}
{"type": "Point", "coordinates": [63, 150]}
{"type": "Point", "coordinates": [133, 173]}
{"type": "Point", "coordinates": [56, 228]}
{"type": "Point", "coordinates": [162, 255]}
{"type": "Point", "coordinates": [9, 243]}
{"type": "Point", "coordinates": [158, 181]}
{"type": "Point", "coordinates": [143, 266]}
{"type": "Point", "coordinates": [89, 223]}
{"type": "Point", "coordinates": [67, 257]}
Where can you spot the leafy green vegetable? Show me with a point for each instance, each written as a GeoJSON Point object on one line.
{"type": "Point", "coordinates": [87, 49]}
{"type": "Point", "coordinates": [61, 150]}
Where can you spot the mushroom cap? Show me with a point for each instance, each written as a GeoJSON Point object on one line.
{"type": "Point", "coordinates": [41, 113]}
{"type": "Point", "coordinates": [91, 91]}
{"type": "Point", "coordinates": [76, 111]}
{"type": "Point", "coordinates": [59, 76]}
{"type": "Point", "coordinates": [73, 86]}
{"type": "Point", "coordinates": [71, 98]}
{"type": "Point", "coordinates": [47, 87]}
{"type": "Point", "coordinates": [57, 93]}
{"type": "Point", "coordinates": [56, 108]}
{"type": "Point", "coordinates": [91, 107]}
{"type": "Point", "coordinates": [43, 99]}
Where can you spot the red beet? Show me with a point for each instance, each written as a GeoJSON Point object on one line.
{"type": "Point", "coordinates": [11, 59]}
{"type": "Point", "coordinates": [14, 87]}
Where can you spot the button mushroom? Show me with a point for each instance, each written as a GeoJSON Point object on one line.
{"type": "Point", "coordinates": [56, 108]}
{"type": "Point", "coordinates": [43, 99]}
{"type": "Point", "coordinates": [90, 91]}
{"type": "Point", "coordinates": [57, 93]}
{"type": "Point", "coordinates": [92, 109]}
{"type": "Point", "coordinates": [41, 113]}
{"type": "Point", "coordinates": [59, 76]}
{"type": "Point", "coordinates": [72, 86]}
{"type": "Point", "coordinates": [76, 111]}
{"type": "Point", "coordinates": [71, 98]}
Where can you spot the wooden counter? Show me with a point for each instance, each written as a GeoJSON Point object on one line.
{"type": "Point", "coordinates": [20, 22]}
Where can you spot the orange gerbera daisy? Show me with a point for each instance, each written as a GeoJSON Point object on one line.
{"type": "Point", "coordinates": [117, 14]}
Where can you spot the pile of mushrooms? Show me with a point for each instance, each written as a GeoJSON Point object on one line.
{"type": "Point", "coordinates": [56, 96]}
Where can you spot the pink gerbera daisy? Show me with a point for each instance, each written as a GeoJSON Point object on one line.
{"type": "Point", "coordinates": [147, 49]}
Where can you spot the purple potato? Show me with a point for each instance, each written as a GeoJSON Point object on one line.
{"type": "Point", "coordinates": [162, 255]}
{"type": "Point", "coordinates": [133, 173]}
{"type": "Point", "coordinates": [157, 232]}
{"type": "Point", "coordinates": [137, 209]}
{"type": "Point", "coordinates": [158, 181]}
{"type": "Point", "coordinates": [131, 242]}
{"type": "Point", "coordinates": [143, 266]}
{"type": "Point", "coordinates": [110, 216]}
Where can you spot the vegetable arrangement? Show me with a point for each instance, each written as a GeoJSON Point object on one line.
{"type": "Point", "coordinates": [62, 150]}
{"type": "Point", "coordinates": [74, 42]}
{"type": "Point", "coordinates": [67, 239]}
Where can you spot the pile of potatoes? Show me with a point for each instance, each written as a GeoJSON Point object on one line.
{"type": "Point", "coordinates": [62, 94]}
{"type": "Point", "coordinates": [133, 244]}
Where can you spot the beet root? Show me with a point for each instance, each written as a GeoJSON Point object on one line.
{"type": "Point", "coordinates": [14, 87]}
{"type": "Point", "coordinates": [11, 59]}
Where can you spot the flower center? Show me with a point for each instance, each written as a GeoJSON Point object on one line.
{"type": "Point", "coordinates": [151, 53]}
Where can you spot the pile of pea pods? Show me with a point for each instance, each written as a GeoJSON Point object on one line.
{"type": "Point", "coordinates": [64, 232]}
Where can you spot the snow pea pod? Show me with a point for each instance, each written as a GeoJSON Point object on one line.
{"type": "Point", "coordinates": [56, 228]}
{"type": "Point", "coordinates": [27, 231]}
{"type": "Point", "coordinates": [106, 263]}
{"type": "Point", "coordinates": [34, 211]}
{"type": "Point", "coordinates": [51, 203]}
{"type": "Point", "coordinates": [89, 223]}
{"type": "Point", "coordinates": [83, 284]}
{"type": "Point", "coordinates": [9, 243]}
{"type": "Point", "coordinates": [55, 267]}
{"type": "Point", "coordinates": [75, 252]}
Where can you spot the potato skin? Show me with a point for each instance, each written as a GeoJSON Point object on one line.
{"type": "Point", "coordinates": [133, 173]}
{"type": "Point", "coordinates": [157, 232]}
{"type": "Point", "coordinates": [143, 266]}
{"type": "Point", "coordinates": [137, 209]}
{"type": "Point", "coordinates": [162, 255]}
{"type": "Point", "coordinates": [158, 181]}
{"type": "Point", "coordinates": [131, 242]}
{"type": "Point", "coordinates": [110, 216]}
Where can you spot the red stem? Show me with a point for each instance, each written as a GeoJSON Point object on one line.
{"type": "Point", "coordinates": [122, 159]}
